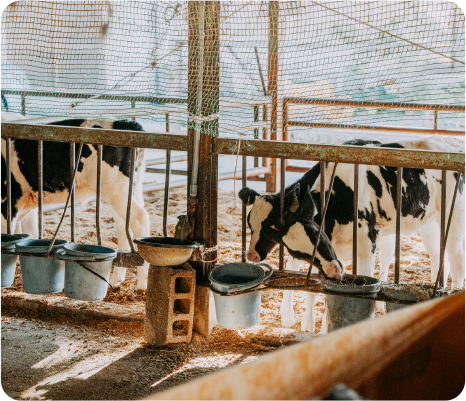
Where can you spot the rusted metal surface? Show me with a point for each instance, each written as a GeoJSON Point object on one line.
{"type": "Point", "coordinates": [355, 219]}
{"type": "Point", "coordinates": [415, 353]}
{"type": "Point", "coordinates": [281, 249]}
{"type": "Point", "coordinates": [8, 184]}
{"type": "Point", "coordinates": [136, 139]}
{"type": "Point", "coordinates": [130, 199]}
{"type": "Point", "coordinates": [243, 211]}
{"type": "Point", "coordinates": [128, 259]}
{"type": "Point", "coordinates": [274, 11]}
{"type": "Point", "coordinates": [344, 154]}
{"type": "Point", "coordinates": [399, 178]}
{"type": "Point", "coordinates": [374, 128]}
{"type": "Point", "coordinates": [40, 189]}
{"type": "Point", "coordinates": [165, 197]}
{"type": "Point", "coordinates": [443, 211]}
{"type": "Point", "coordinates": [98, 194]}
{"type": "Point", "coordinates": [72, 198]}
{"type": "Point", "coordinates": [376, 105]}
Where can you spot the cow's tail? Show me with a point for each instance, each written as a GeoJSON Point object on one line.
{"type": "Point", "coordinates": [141, 167]}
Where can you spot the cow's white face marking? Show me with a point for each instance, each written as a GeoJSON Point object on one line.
{"type": "Point", "coordinates": [259, 212]}
{"type": "Point", "coordinates": [296, 239]}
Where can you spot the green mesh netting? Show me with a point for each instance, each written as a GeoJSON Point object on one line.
{"type": "Point", "coordinates": [109, 59]}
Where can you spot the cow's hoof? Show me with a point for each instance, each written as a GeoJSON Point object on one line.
{"type": "Point", "coordinates": [288, 321]}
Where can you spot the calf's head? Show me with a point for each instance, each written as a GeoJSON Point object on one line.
{"type": "Point", "coordinates": [264, 220]}
{"type": "Point", "coordinates": [299, 235]}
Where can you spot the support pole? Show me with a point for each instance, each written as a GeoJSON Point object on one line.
{"type": "Point", "coordinates": [205, 213]}
{"type": "Point", "coordinates": [274, 7]}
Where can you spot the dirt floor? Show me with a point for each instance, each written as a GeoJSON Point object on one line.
{"type": "Point", "coordinates": [59, 357]}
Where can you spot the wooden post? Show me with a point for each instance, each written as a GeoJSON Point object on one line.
{"type": "Point", "coordinates": [271, 178]}
{"type": "Point", "coordinates": [205, 213]}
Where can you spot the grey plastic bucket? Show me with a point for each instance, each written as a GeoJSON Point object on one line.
{"type": "Point", "coordinates": [9, 261]}
{"type": "Point", "coordinates": [343, 311]}
{"type": "Point", "coordinates": [80, 283]}
{"type": "Point", "coordinates": [41, 275]}
{"type": "Point", "coordinates": [238, 312]}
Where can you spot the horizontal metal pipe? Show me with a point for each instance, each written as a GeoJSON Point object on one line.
{"type": "Point", "coordinates": [372, 128]}
{"type": "Point", "coordinates": [378, 105]}
{"type": "Point", "coordinates": [162, 171]}
{"type": "Point", "coordinates": [343, 154]}
{"type": "Point", "coordinates": [136, 139]}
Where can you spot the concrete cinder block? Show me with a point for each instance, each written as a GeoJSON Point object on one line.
{"type": "Point", "coordinates": [169, 304]}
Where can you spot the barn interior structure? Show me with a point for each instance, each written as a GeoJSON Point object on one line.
{"type": "Point", "coordinates": [233, 200]}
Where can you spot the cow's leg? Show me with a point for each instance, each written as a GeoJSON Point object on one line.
{"type": "Point", "coordinates": [139, 226]}
{"type": "Point", "coordinates": [386, 250]}
{"type": "Point", "coordinates": [455, 245]}
{"type": "Point", "coordinates": [30, 223]}
{"type": "Point", "coordinates": [286, 307]}
{"type": "Point", "coordinates": [430, 234]}
{"type": "Point", "coordinates": [308, 322]}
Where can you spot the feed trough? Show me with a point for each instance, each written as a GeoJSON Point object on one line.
{"type": "Point", "coordinates": [41, 275]}
{"type": "Point", "coordinates": [241, 311]}
{"type": "Point", "coordinates": [343, 311]}
{"type": "Point", "coordinates": [87, 271]}
{"type": "Point", "coordinates": [9, 242]}
{"type": "Point", "coordinates": [164, 251]}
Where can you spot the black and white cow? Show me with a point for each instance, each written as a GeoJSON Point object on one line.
{"type": "Point", "coordinates": [376, 214]}
{"type": "Point", "coordinates": [56, 183]}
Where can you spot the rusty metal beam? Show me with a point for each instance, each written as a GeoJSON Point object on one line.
{"type": "Point", "coordinates": [135, 139]}
{"type": "Point", "coordinates": [344, 154]}
{"type": "Point", "coordinates": [377, 105]}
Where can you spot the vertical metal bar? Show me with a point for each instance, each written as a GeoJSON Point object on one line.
{"type": "Point", "coordinates": [285, 134]}
{"type": "Point", "coordinates": [40, 194]}
{"type": "Point", "coordinates": [356, 219]}
{"type": "Point", "coordinates": [265, 135]}
{"type": "Point", "coordinates": [23, 104]}
{"type": "Point", "coordinates": [165, 196]}
{"type": "Point", "coordinates": [281, 253]}
{"type": "Point", "coordinates": [256, 132]}
{"type": "Point", "coordinates": [72, 200]}
{"type": "Point", "coordinates": [322, 187]}
{"type": "Point", "coordinates": [98, 194]}
{"type": "Point", "coordinates": [435, 121]}
{"type": "Point", "coordinates": [133, 105]}
{"type": "Point", "coordinates": [443, 208]}
{"type": "Point", "coordinates": [167, 180]}
{"type": "Point", "coordinates": [8, 184]}
{"type": "Point", "coordinates": [243, 212]}
{"type": "Point", "coordinates": [130, 198]}
{"type": "Point", "coordinates": [274, 7]}
{"type": "Point", "coordinates": [399, 176]}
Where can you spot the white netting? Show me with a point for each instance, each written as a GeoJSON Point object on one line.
{"type": "Point", "coordinates": [130, 59]}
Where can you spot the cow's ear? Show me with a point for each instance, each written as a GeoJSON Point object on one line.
{"type": "Point", "coordinates": [309, 207]}
{"type": "Point", "coordinates": [248, 196]}
{"type": "Point", "coordinates": [291, 199]}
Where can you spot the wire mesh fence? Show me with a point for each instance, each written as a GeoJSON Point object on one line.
{"type": "Point", "coordinates": [108, 59]}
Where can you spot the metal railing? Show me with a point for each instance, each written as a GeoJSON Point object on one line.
{"type": "Point", "coordinates": [399, 158]}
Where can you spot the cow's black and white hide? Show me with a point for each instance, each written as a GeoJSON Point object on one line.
{"type": "Point", "coordinates": [377, 193]}
{"type": "Point", "coordinates": [56, 183]}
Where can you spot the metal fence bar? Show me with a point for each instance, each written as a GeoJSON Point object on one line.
{"type": "Point", "coordinates": [123, 138]}
{"type": "Point", "coordinates": [377, 105]}
{"type": "Point", "coordinates": [256, 132]}
{"type": "Point", "coordinates": [130, 198]}
{"type": "Point", "coordinates": [355, 219]}
{"type": "Point", "coordinates": [167, 180]}
{"type": "Point", "coordinates": [443, 208]}
{"type": "Point", "coordinates": [344, 154]}
{"type": "Point", "coordinates": [243, 210]}
{"type": "Point", "coordinates": [40, 187]}
{"type": "Point", "coordinates": [8, 185]}
{"type": "Point", "coordinates": [281, 251]}
{"type": "Point", "coordinates": [98, 194]}
{"type": "Point", "coordinates": [72, 198]}
{"type": "Point", "coordinates": [322, 187]}
{"type": "Point", "coordinates": [399, 176]}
